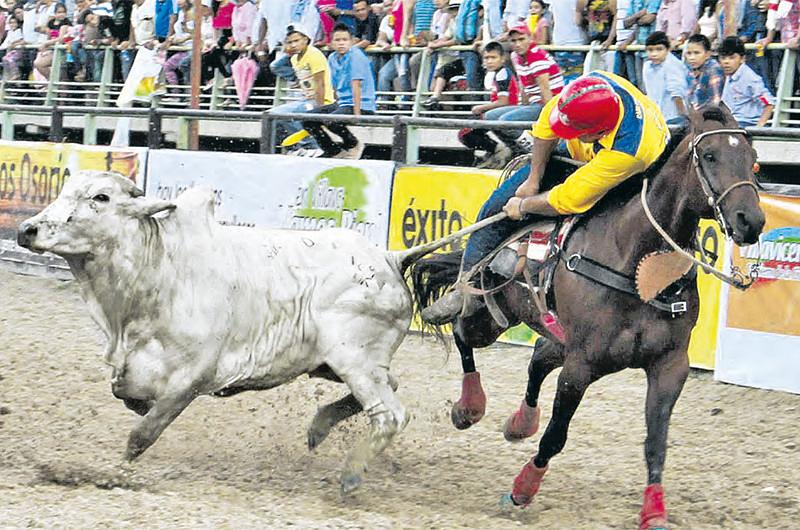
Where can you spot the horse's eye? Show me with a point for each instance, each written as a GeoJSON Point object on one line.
{"type": "Point", "coordinates": [100, 197]}
{"type": "Point", "coordinates": [708, 157]}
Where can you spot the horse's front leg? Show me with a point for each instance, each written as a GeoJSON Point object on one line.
{"type": "Point", "coordinates": [573, 380]}
{"type": "Point", "coordinates": [524, 422]}
{"type": "Point", "coordinates": [665, 379]}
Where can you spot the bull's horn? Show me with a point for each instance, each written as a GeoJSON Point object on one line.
{"type": "Point", "coordinates": [145, 207]}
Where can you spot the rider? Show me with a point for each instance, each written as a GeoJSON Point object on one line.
{"type": "Point", "coordinates": [606, 122]}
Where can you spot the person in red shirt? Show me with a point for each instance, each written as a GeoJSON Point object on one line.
{"type": "Point", "coordinates": [504, 96]}
{"type": "Point", "coordinates": [540, 80]}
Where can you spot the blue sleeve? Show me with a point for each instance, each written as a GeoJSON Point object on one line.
{"type": "Point", "coordinates": [676, 81]}
{"type": "Point", "coordinates": [175, 8]}
{"type": "Point", "coordinates": [653, 6]}
{"type": "Point", "coordinates": [360, 66]}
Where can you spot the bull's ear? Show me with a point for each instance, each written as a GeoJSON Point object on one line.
{"type": "Point", "coordinates": [147, 206]}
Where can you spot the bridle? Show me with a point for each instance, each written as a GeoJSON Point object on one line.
{"type": "Point", "coordinates": [714, 199]}
{"type": "Point", "coordinates": [736, 277]}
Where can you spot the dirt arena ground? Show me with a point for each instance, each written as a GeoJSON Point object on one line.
{"type": "Point", "coordinates": [241, 462]}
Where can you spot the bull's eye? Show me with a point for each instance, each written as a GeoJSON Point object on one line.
{"type": "Point", "coordinates": [100, 197]}
{"type": "Point", "coordinates": [708, 157]}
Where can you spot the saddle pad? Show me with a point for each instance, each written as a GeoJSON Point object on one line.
{"type": "Point", "coordinates": [539, 237]}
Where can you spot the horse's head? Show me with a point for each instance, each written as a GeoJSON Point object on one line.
{"type": "Point", "coordinates": [724, 162]}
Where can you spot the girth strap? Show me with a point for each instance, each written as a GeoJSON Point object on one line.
{"type": "Point", "coordinates": [603, 275]}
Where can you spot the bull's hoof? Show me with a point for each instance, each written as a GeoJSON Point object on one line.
{"type": "Point", "coordinates": [523, 423]}
{"type": "Point", "coordinates": [464, 418]}
{"type": "Point", "coordinates": [139, 406]}
{"type": "Point", "coordinates": [316, 436]}
{"type": "Point", "coordinates": [350, 482]}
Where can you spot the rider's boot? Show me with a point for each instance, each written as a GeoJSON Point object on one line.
{"type": "Point", "coordinates": [448, 307]}
{"type": "Point", "coordinates": [471, 406]}
{"type": "Point", "coordinates": [523, 423]}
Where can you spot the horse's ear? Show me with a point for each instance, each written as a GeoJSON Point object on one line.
{"type": "Point", "coordinates": [695, 119]}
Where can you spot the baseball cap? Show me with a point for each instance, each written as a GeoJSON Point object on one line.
{"type": "Point", "coordinates": [520, 28]}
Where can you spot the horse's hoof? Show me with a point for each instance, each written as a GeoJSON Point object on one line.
{"type": "Point", "coordinates": [464, 418]}
{"type": "Point", "coordinates": [523, 423]}
{"type": "Point", "coordinates": [350, 482]}
{"type": "Point", "coordinates": [316, 437]}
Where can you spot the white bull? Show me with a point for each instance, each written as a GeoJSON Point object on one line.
{"type": "Point", "coordinates": [192, 307]}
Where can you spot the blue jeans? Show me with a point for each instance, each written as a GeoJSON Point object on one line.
{"type": "Point", "coordinates": [285, 128]}
{"type": "Point", "coordinates": [513, 113]}
{"type": "Point", "coordinates": [472, 65]}
{"type": "Point", "coordinates": [282, 67]}
{"type": "Point", "coordinates": [625, 66]}
{"type": "Point", "coordinates": [126, 58]}
{"type": "Point", "coordinates": [486, 239]}
{"type": "Point", "coordinates": [396, 67]}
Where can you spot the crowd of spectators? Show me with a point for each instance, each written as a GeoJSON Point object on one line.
{"type": "Point", "coordinates": [687, 61]}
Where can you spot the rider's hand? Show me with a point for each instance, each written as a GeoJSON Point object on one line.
{"type": "Point", "coordinates": [514, 208]}
{"type": "Point", "coordinates": [527, 189]}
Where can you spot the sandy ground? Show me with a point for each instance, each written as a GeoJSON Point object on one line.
{"type": "Point", "coordinates": [241, 462]}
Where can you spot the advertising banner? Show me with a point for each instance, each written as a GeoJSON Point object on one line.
{"type": "Point", "coordinates": [33, 173]}
{"type": "Point", "coordinates": [703, 345]}
{"type": "Point", "coordinates": [275, 191]}
{"type": "Point", "coordinates": [431, 202]}
{"type": "Point", "coordinates": [760, 337]}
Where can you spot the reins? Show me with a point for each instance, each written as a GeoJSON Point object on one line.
{"type": "Point", "coordinates": [736, 278]}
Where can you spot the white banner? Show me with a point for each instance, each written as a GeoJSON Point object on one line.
{"type": "Point", "coordinates": [275, 191]}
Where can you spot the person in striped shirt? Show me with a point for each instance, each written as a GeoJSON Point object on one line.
{"type": "Point", "coordinates": [540, 80]}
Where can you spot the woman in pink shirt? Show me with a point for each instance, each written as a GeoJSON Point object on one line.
{"type": "Point", "coordinates": [245, 13]}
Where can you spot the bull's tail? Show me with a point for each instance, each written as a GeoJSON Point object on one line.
{"type": "Point", "coordinates": [406, 258]}
{"type": "Point", "coordinates": [430, 278]}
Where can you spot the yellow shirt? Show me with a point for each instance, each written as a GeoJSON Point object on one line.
{"type": "Point", "coordinates": [634, 145]}
{"type": "Point", "coordinates": [312, 62]}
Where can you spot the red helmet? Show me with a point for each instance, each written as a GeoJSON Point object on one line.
{"type": "Point", "coordinates": [588, 105]}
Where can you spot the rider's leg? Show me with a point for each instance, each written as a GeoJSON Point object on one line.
{"type": "Point", "coordinates": [479, 244]}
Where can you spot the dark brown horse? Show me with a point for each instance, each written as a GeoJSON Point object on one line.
{"type": "Point", "coordinates": [608, 330]}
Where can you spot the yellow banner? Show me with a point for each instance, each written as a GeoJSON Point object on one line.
{"type": "Point", "coordinates": [703, 345]}
{"type": "Point", "coordinates": [772, 304]}
{"type": "Point", "coordinates": [33, 173]}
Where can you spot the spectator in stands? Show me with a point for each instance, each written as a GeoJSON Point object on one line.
{"type": "Point", "coordinates": [677, 18]}
{"type": "Point", "coordinates": [567, 32]}
{"type": "Point", "coordinates": [597, 17]}
{"type": "Point", "coordinates": [341, 11]}
{"type": "Point", "coordinates": [181, 35]}
{"type": "Point", "coordinates": [623, 61]}
{"type": "Point", "coordinates": [706, 76]}
{"type": "Point", "coordinates": [352, 77]}
{"type": "Point", "coordinates": [275, 18]}
{"type": "Point", "coordinates": [423, 11]}
{"type": "Point", "coordinates": [143, 16]}
{"type": "Point", "coordinates": [399, 20]}
{"type": "Point", "coordinates": [502, 83]}
{"type": "Point", "coordinates": [95, 33]}
{"type": "Point", "coordinates": [515, 13]}
{"type": "Point", "coordinates": [745, 93]}
{"type": "Point", "coordinates": [56, 29]}
{"type": "Point", "coordinates": [782, 21]}
{"type": "Point", "coordinates": [467, 31]}
{"type": "Point", "coordinates": [539, 23]}
{"type": "Point", "coordinates": [708, 22]}
{"type": "Point", "coordinates": [754, 29]}
{"type": "Point", "coordinates": [12, 45]}
{"type": "Point", "coordinates": [665, 78]}
{"type": "Point", "coordinates": [642, 18]}
{"type": "Point", "coordinates": [119, 25]}
{"type": "Point", "coordinates": [438, 22]}
{"type": "Point", "coordinates": [314, 78]}
{"type": "Point", "coordinates": [448, 63]}
{"type": "Point", "coordinates": [166, 14]}
{"type": "Point", "coordinates": [540, 79]}
{"type": "Point", "coordinates": [367, 24]}
{"type": "Point", "coordinates": [244, 16]}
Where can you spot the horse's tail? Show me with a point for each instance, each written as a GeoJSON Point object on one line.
{"type": "Point", "coordinates": [431, 277]}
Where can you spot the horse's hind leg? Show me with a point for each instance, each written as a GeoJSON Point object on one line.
{"type": "Point", "coordinates": [524, 422]}
{"type": "Point", "coordinates": [665, 379]}
{"type": "Point", "coordinates": [572, 383]}
{"type": "Point", "coordinates": [332, 413]}
{"type": "Point", "coordinates": [471, 406]}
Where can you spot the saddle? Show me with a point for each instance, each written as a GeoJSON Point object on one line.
{"type": "Point", "coordinates": [532, 254]}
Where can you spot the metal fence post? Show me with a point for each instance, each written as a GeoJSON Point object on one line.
{"type": "Point", "coordinates": [267, 143]}
{"type": "Point", "coordinates": [56, 126]}
{"type": "Point", "coordinates": [399, 139]}
{"type": "Point", "coordinates": [422, 81]}
{"type": "Point", "coordinates": [785, 86]}
{"type": "Point", "coordinates": [154, 129]}
{"type": "Point", "coordinates": [55, 75]}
